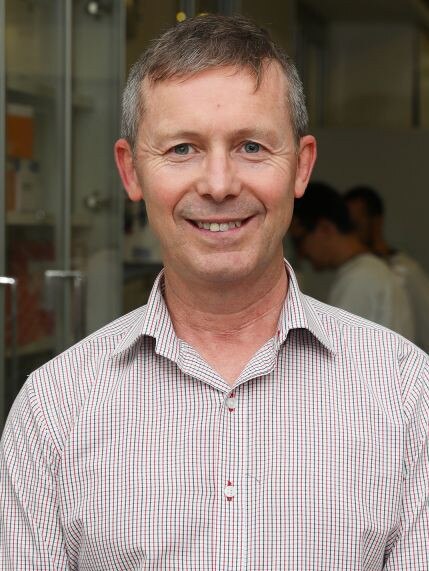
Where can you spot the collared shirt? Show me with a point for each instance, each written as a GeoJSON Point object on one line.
{"type": "Point", "coordinates": [129, 452]}
{"type": "Point", "coordinates": [366, 286]}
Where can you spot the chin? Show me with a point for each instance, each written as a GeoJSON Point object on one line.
{"type": "Point", "coordinates": [224, 274]}
{"type": "Point", "coordinates": [224, 269]}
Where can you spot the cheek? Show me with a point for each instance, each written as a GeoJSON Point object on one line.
{"type": "Point", "coordinates": [162, 194]}
{"type": "Point", "coordinates": [270, 189]}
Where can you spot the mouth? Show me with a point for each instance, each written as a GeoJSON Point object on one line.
{"type": "Point", "coordinates": [219, 225]}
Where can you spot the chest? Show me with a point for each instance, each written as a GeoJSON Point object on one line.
{"type": "Point", "coordinates": [286, 471]}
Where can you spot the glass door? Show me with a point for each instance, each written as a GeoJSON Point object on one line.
{"type": "Point", "coordinates": [60, 199]}
{"type": "Point", "coordinates": [32, 152]}
{"type": "Point", "coordinates": [98, 39]}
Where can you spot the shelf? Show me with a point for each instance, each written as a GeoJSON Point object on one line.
{"type": "Point", "coordinates": [29, 219]}
{"type": "Point", "coordinates": [41, 218]}
{"type": "Point", "coordinates": [26, 89]}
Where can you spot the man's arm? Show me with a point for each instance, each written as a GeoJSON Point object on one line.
{"type": "Point", "coordinates": [30, 528]}
{"type": "Point", "coordinates": [411, 550]}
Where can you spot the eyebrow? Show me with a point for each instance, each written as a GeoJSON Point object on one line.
{"type": "Point", "coordinates": [245, 133]}
{"type": "Point", "coordinates": [257, 133]}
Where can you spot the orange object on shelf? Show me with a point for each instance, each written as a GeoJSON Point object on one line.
{"type": "Point", "coordinates": [20, 131]}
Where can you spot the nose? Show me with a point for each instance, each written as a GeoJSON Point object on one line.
{"type": "Point", "coordinates": [218, 179]}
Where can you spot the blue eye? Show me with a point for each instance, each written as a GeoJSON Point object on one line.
{"type": "Point", "coordinates": [182, 149]}
{"type": "Point", "coordinates": [251, 147]}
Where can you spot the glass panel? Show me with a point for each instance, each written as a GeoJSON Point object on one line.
{"type": "Point", "coordinates": [98, 51]}
{"type": "Point", "coordinates": [32, 181]}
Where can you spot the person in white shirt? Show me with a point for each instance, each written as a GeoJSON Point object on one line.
{"type": "Point", "coordinates": [366, 210]}
{"type": "Point", "coordinates": [323, 233]}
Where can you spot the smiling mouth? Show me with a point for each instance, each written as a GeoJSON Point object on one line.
{"type": "Point", "coordinates": [220, 226]}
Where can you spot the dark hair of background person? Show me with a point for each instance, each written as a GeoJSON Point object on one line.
{"type": "Point", "coordinates": [372, 200]}
{"type": "Point", "coordinates": [322, 201]}
{"type": "Point", "coordinates": [207, 42]}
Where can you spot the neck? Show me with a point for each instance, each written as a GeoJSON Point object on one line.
{"type": "Point", "coordinates": [348, 246]}
{"type": "Point", "coordinates": [227, 323]}
{"type": "Point", "coordinates": [380, 247]}
{"type": "Point", "coordinates": [228, 309]}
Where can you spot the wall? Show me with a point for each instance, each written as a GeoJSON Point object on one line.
{"type": "Point", "coordinates": [371, 74]}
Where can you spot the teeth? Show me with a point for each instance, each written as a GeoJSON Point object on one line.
{"type": "Point", "coordinates": [219, 226]}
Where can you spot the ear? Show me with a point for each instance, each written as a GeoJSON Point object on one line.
{"type": "Point", "coordinates": [125, 164]}
{"type": "Point", "coordinates": [306, 158]}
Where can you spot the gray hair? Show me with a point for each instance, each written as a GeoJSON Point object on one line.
{"type": "Point", "coordinates": [206, 42]}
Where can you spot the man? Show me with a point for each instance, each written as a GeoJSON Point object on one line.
{"type": "Point", "coordinates": [366, 210]}
{"type": "Point", "coordinates": [364, 285]}
{"type": "Point", "coordinates": [232, 423]}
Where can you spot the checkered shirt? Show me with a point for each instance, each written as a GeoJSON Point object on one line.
{"type": "Point", "coordinates": [129, 452]}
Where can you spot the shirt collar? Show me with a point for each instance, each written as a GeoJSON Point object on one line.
{"type": "Point", "coordinates": [154, 320]}
{"type": "Point", "coordinates": [299, 313]}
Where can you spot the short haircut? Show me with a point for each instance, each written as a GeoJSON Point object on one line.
{"type": "Point", "coordinates": [208, 42]}
{"type": "Point", "coordinates": [322, 201]}
{"type": "Point", "coordinates": [372, 200]}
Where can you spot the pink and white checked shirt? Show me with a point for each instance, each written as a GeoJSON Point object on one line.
{"type": "Point", "coordinates": [129, 452]}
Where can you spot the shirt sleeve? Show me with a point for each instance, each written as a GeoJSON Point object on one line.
{"type": "Point", "coordinates": [30, 527]}
{"type": "Point", "coordinates": [410, 552]}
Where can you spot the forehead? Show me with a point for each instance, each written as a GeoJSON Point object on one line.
{"type": "Point", "coordinates": [225, 88]}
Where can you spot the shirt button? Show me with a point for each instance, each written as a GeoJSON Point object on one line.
{"type": "Point", "coordinates": [231, 402]}
{"type": "Point", "coordinates": [230, 491]}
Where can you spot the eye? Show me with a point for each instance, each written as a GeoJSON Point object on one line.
{"type": "Point", "coordinates": [251, 147]}
{"type": "Point", "coordinates": [182, 149]}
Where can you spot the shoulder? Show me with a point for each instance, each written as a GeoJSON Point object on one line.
{"type": "Point", "coordinates": [369, 344]}
{"type": "Point", "coordinates": [368, 264]}
{"type": "Point", "coordinates": [58, 390]}
{"type": "Point", "coordinates": [364, 273]}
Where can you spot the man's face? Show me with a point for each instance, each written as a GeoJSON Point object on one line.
{"type": "Point", "coordinates": [217, 166]}
{"type": "Point", "coordinates": [361, 220]}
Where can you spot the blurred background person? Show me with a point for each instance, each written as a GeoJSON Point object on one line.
{"type": "Point", "coordinates": [323, 233]}
{"type": "Point", "coordinates": [366, 209]}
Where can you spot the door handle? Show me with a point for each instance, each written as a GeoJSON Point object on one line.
{"type": "Point", "coordinates": [12, 283]}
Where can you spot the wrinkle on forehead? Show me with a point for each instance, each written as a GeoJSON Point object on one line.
{"type": "Point", "coordinates": [228, 71]}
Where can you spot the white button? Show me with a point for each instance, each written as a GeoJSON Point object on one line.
{"type": "Point", "coordinates": [231, 402]}
{"type": "Point", "coordinates": [230, 491]}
